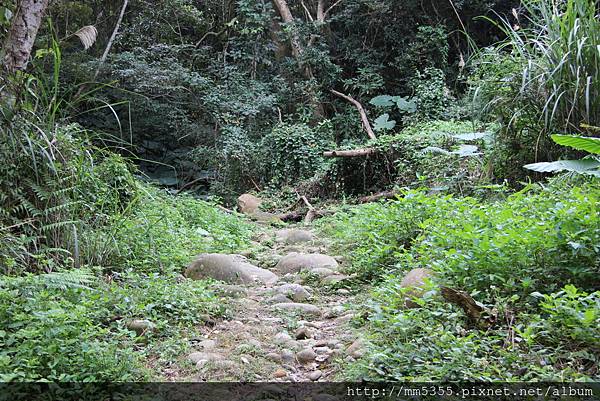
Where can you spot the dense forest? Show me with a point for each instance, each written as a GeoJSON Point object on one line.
{"type": "Point", "coordinates": [300, 190]}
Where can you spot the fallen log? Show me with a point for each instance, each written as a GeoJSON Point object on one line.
{"type": "Point", "coordinates": [380, 195]}
{"type": "Point", "coordinates": [350, 153]}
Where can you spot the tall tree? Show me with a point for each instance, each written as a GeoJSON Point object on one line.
{"type": "Point", "coordinates": [22, 33]}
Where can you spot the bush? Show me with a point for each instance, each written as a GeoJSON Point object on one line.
{"type": "Point", "coordinates": [532, 240]}
{"type": "Point", "coordinates": [543, 79]}
{"type": "Point", "coordinates": [162, 233]}
{"type": "Point", "coordinates": [503, 253]}
{"type": "Point", "coordinates": [53, 333]}
{"type": "Point", "coordinates": [435, 343]}
{"type": "Point", "coordinates": [419, 155]}
{"type": "Point", "coordinates": [65, 185]}
{"type": "Point", "coordinates": [291, 152]}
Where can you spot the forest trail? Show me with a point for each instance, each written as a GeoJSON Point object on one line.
{"type": "Point", "coordinates": [296, 329]}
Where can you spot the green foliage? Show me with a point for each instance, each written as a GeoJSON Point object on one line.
{"type": "Point", "coordinates": [543, 79]}
{"type": "Point", "coordinates": [588, 165]}
{"type": "Point", "coordinates": [434, 343]}
{"type": "Point", "coordinates": [571, 317]}
{"type": "Point", "coordinates": [292, 152]}
{"type": "Point", "coordinates": [162, 233]}
{"type": "Point", "coordinates": [502, 253]}
{"type": "Point", "coordinates": [65, 184]}
{"type": "Point", "coordinates": [432, 96]}
{"type": "Point", "coordinates": [56, 335]}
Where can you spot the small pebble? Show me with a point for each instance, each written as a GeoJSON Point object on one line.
{"type": "Point", "coordinates": [316, 375]}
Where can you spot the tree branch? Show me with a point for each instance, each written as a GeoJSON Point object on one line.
{"type": "Point", "coordinates": [111, 40]}
{"type": "Point", "coordinates": [350, 153]}
{"type": "Point", "coordinates": [361, 110]}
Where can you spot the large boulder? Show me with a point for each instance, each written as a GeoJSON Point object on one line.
{"type": "Point", "coordinates": [248, 204]}
{"type": "Point", "coordinates": [292, 237]}
{"type": "Point", "coordinates": [295, 262]}
{"type": "Point", "coordinates": [233, 269]}
{"type": "Point", "coordinates": [415, 280]}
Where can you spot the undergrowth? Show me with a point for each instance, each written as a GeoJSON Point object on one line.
{"type": "Point", "coordinates": [532, 259]}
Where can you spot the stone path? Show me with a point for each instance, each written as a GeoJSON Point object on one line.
{"type": "Point", "coordinates": [289, 313]}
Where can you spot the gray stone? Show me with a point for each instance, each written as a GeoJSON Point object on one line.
{"type": "Point", "coordinates": [282, 338]}
{"type": "Point", "coordinates": [194, 357]}
{"type": "Point", "coordinates": [294, 291]}
{"type": "Point", "coordinates": [302, 333]}
{"type": "Point", "coordinates": [322, 350]}
{"type": "Point", "coordinates": [265, 217]}
{"type": "Point", "coordinates": [140, 326]}
{"type": "Point", "coordinates": [287, 356]}
{"type": "Point", "coordinates": [277, 299]}
{"type": "Point", "coordinates": [295, 262]}
{"type": "Point", "coordinates": [274, 356]}
{"type": "Point", "coordinates": [228, 268]}
{"type": "Point", "coordinates": [306, 356]}
{"type": "Point", "coordinates": [415, 280]}
{"type": "Point", "coordinates": [304, 309]}
{"type": "Point", "coordinates": [322, 272]}
{"type": "Point", "coordinates": [316, 375]}
{"type": "Point", "coordinates": [356, 349]}
{"type": "Point", "coordinates": [292, 237]}
{"type": "Point", "coordinates": [207, 344]}
{"type": "Point", "coordinates": [335, 311]}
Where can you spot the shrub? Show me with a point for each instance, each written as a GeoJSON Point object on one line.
{"type": "Point", "coordinates": [291, 152]}
{"type": "Point", "coordinates": [503, 253]}
{"type": "Point", "coordinates": [503, 248]}
{"type": "Point", "coordinates": [49, 333]}
{"type": "Point", "coordinates": [163, 233]}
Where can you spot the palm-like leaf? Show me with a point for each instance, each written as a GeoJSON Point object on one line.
{"type": "Point", "coordinates": [583, 166]}
{"type": "Point", "coordinates": [588, 144]}
{"type": "Point", "coordinates": [87, 35]}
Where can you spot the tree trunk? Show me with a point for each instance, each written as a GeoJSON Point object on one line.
{"type": "Point", "coordinates": [288, 18]}
{"type": "Point", "coordinates": [22, 33]}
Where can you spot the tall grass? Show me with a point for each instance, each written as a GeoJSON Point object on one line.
{"type": "Point", "coordinates": [559, 44]}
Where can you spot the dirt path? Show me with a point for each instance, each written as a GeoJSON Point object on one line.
{"type": "Point", "coordinates": [294, 330]}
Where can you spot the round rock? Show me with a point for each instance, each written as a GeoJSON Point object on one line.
{"type": "Point", "coordinates": [415, 280]}
{"type": "Point", "coordinates": [306, 356]}
{"type": "Point", "coordinates": [295, 262]}
{"type": "Point", "coordinates": [248, 203]}
{"type": "Point", "coordinates": [294, 291]}
{"type": "Point", "coordinates": [292, 237]}
{"type": "Point", "coordinates": [195, 357]}
{"type": "Point", "coordinates": [140, 326]}
{"type": "Point", "coordinates": [229, 268]}
{"type": "Point", "coordinates": [303, 309]}
{"type": "Point", "coordinates": [316, 375]}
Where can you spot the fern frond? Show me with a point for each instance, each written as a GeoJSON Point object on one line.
{"type": "Point", "coordinates": [76, 278]}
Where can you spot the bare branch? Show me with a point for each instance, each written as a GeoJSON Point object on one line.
{"type": "Point", "coordinates": [310, 17]}
{"type": "Point", "coordinates": [350, 153]}
{"type": "Point", "coordinates": [330, 8]}
{"type": "Point", "coordinates": [361, 111]}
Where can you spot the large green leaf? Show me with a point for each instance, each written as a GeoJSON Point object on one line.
{"type": "Point", "coordinates": [383, 122]}
{"type": "Point", "coordinates": [589, 144]}
{"type": "Point", "coordinates": [583, 166]}
{"type": "Point", "coordinates": [406, 105]}
{"type": "Point", "coordinates": [383, 101]}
